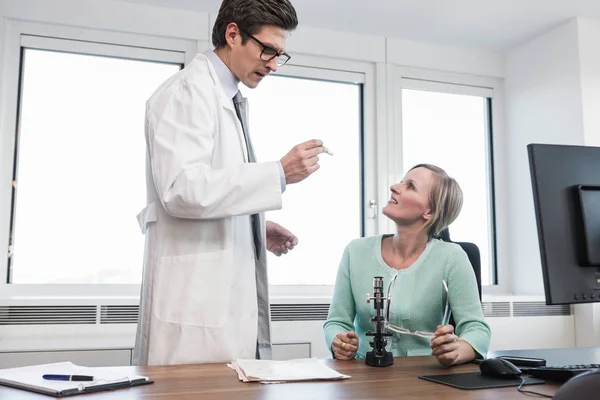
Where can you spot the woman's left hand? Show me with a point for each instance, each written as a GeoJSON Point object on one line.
{"type": "Point", "coordinates": [446, 345]}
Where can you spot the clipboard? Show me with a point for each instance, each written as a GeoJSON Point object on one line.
{"type": "Point", "coordinates": [30, 379]}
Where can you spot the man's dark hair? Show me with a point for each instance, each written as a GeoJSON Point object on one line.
{"type": "Point", "coordinates": [251, 15]}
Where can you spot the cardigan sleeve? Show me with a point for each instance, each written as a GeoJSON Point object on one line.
{"type": "Point", "coordinates": [342, 308]}
{"type": "Point", "coordinates": [465, 304]}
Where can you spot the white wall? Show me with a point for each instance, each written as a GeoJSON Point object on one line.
{"type": "Point", "coordinates": [589, 37]}
{"type": "Point", "coordinates": [321, 42]}
{"type": "Point", "coordinates": [111, 15]}
{"type": "Point", "coordinates": [552, 96]}
{"type": "Point", "coordinates": [587, 316]}
{"type": "Point", "coordinates": [5, 177]}
{"type": "Point", "coordinates": [444, 58]}
{"type": "Point", "coordinates": [2, 24]}
{"type": "Point", "coordinates": [543, 105]}
{"type": "Point", "coordinates": [351, 46]}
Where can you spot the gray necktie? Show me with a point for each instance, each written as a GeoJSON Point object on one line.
{"type": "Point", "coordinates": [241, 110]}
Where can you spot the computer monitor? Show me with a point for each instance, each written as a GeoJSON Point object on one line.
{"type": "Point", "coordinates": [566, 194]}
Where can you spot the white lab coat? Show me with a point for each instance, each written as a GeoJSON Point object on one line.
{"type": "Point", "coordinates": [199, 289]}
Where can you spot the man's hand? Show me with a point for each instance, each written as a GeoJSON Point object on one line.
{"type": "Point", "coordinates": [345, 346]}
{"type": "Point", "coordinates": [302, 161]}
{"type": "Point", "coordinates": [279, 239]}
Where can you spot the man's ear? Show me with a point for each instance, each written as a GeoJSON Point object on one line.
{"type": "Point", "coordinates": [232, 34]}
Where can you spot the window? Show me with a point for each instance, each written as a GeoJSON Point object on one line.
{"type": "Point", "coordinates": [79, 172]}
{"type": "Point", "coordinates": [325, 210]}
{"type": "Point", "coordinates": [450, 126]}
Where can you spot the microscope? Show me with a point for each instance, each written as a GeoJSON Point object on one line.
{"type": "Point", "coordinates": [379, 356]}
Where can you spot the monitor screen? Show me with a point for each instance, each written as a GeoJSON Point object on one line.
{"type": "Point", "coordinates": [566, 194]}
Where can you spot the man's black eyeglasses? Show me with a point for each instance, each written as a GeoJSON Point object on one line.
{"type": "Point", "coordinates": [268, 53]}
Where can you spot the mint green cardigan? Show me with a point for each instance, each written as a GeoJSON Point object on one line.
{"type": "Point", "coordinates": [418, 297]}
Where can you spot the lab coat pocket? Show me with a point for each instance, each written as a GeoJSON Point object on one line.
{"type": "Point", "coordinates": [194, 289]}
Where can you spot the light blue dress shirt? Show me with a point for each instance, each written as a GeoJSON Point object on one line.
{"type": "Point", "coordinates": [230, 86]}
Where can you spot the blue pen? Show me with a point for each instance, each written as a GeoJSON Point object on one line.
{"type": "Point", "coordinates": [68, 377]}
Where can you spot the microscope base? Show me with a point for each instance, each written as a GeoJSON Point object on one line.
{"type": "Point", "coordinates": [379, 359]}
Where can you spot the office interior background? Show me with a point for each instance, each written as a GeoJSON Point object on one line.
{"type": "Point", "coordinates": [386, 85]}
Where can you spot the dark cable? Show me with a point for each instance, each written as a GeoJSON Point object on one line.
{"type": "Point", "coordinates": [530, 392]}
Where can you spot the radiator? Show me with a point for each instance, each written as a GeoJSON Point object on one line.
{"type": "Point", "coordinates": [103, 334]}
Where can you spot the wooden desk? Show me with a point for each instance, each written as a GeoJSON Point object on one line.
{"type": "Point", "coordinates": [216, 381]}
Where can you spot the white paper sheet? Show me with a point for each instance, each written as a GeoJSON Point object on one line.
{"type": "Point", "coordinates": [267, 371]}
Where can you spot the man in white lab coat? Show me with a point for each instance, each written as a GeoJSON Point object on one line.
{"type": "Point", "coordinates": [204, 289]}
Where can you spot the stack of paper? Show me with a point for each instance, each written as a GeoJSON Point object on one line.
{"type": "Point", "coordinates": [267, 371]}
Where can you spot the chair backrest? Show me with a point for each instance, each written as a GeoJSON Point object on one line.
{"type": "Point", "coordinates": [474, 257]}
{"type": "Point", "coordinates": [472, 252]}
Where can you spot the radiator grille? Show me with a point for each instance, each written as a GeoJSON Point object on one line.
{"type": "Point", "coordinates": [299, 312]}
{"type": "Point", "coordinates": [119, 314]}
{"type": "Point", "coordinates": [496, 309]}
{"type": "Point", "coordinates": [539, 309]}
{"type": "Point", "coordinates": [128, 314]}
{"type": "Point", "coordinates": [47, 315]}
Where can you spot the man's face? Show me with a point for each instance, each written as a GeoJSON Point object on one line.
{"type": "Point", "coordinates": [246, 62]}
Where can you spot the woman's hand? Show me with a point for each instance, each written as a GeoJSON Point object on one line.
{"type": "Point", "coordinates": [345, 346]}
{"type": "Point", "coordinates": [448, 348]}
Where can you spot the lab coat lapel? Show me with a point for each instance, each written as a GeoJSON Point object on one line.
{"type": "Point", "coordinates": [227, 103]}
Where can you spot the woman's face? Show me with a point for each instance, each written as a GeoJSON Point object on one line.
{"type": "Point", "coordinates": [409, 200]}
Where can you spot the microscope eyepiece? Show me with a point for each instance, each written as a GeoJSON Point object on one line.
{"type": "Point", "coordinates": [378, 285]}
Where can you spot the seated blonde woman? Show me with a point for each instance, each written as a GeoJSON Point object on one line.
{"type": "Point", "coordinates": [422, 205]}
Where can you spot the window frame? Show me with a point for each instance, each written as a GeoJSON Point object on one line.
{"type": "Point", "coordinates": [336, 70]}
{"type": "Point", "coordinates": [454, 83]}
{"type": "Point", "coordinates": [41, 36]}
{"type": "Point", "coordinates": [20, 35]}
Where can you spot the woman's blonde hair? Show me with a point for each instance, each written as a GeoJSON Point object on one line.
{"type": "Point", "coordinates": [445, 198]}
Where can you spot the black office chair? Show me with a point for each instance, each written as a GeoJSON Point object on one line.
{"type": "Point", "coordinates": [474, 257]}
